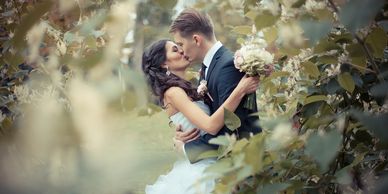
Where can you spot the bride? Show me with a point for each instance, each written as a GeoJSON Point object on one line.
{"type": "Point", "coordinates": [164, 66]}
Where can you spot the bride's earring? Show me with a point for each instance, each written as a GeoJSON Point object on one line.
{"type": "Point", "coordinates": [168, 73]}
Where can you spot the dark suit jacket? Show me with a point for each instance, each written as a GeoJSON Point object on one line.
{"type": "Point", "coordinates": [222, 77]}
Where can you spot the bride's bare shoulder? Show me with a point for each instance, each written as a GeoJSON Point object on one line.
{"type": "Point", "coordinates": [174, 92]}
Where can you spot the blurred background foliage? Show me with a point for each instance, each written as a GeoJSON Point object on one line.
{"type": "Point", "coordinates": [71, 94]}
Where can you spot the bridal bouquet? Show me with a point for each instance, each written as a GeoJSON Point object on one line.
{"type": "Point", "coordinates": [254, 60]}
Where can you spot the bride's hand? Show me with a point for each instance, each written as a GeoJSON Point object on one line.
{"type": "Point", "coordinates": [248, 85]}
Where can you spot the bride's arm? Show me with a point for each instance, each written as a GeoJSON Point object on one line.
{"type": "Point", "coordinates": [211, 124]}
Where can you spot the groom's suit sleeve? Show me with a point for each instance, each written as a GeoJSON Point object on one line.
{"type": "Point", "coordinates": [228, 79]}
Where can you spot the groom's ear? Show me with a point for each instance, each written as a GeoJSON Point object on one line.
{"type": "Point", "coordinates": [197, 39]}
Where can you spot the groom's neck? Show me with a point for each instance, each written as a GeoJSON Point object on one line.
{"type": "Point", "coordinates": [208, 44]}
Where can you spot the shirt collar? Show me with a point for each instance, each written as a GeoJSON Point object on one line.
{"type": "Point", "coordinates": [210, 53]}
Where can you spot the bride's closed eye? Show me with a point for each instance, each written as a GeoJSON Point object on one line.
{"type": "Point", "coordinates": [174, 49]}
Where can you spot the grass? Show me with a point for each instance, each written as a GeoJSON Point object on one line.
{"type": "Point", "coordinates": [153, 138]}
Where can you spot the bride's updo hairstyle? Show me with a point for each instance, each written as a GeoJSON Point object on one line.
{"type": "Point", "coordinates": [153, 58]}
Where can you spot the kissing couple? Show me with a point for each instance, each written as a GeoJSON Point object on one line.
{"type": "Point", "coordinates": [196, 111]}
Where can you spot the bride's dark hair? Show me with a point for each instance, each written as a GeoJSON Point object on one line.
{"type": "Point", "coordinates": [153, 58]}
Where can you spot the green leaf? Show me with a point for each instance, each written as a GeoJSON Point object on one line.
{"type": "Point", "coordinates": [30, 20]}
{"type": "Point", "coordinates": [298, 4]}
{"type": "Point", "coordinates": [343, 176]}
{"type": "Point", "coordinates": [273, 188]}
{"type": "Point", "coordinates": [380, 90]}
{"type": "Point", "coordinates": [345, 80]}
{"type": "Point", "coordinates": [231, 120]}
{"type": "Point", "coordinates": [315, 30]}
{"type": "Point", "coordinates": [343, 38]}
{"type": "Point", "coordinates": [377, 124]}
{"type": "Point", "coordinates": [270, 34]}
{"type": "Point", "coordinates": [240, 144]}
{"type": "Point", "coordinates": [357, 56]}
{"type": "Point", "coordinates": [219, 140]}
{"type": "Point", "coordinates": [208, 154]}
{"type": "Point", "coordinates": [264, 20]}
{"type": "Point", "coordinates": [244, 172]}
{"type": "Point", "coordinates": [246, 30]}
{"type": "Point", "coordinates": [248, 4]}
{"type": "Point", "coordinates": [357, 14]}
{"type": "Point", "coordinates": [325, 59]}
{"type": "Point", "coordinates": [254, 152]}
{"type": "Point", "coordinates": [13, 60]}
{"type": "Point", "coordinates": [324, 45]}
{"type": "Point", "coordinates": [323, 148]}
{"type": "Point", "coordinates": [323, 14]}
{"type": "Point", "coordinates": [315, 98]}
{"type": "Point", "coordinates": [251, 15]}
{"type": "Point", "coordinates": [332, 86]}
{"type": "Point", "coordinates": [221, 166]}
{"type": "Point", "coordinates": [311, 69]}
{"type": "Point", "coordinates": [377, 41]}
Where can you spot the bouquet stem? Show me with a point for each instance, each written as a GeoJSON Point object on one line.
{"type": "Point", "coordinates": [250, 102]}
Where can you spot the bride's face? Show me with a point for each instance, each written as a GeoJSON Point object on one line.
{"type": "Point", "coordinates": [176, 60]}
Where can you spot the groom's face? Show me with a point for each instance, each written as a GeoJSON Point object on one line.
{"type": "Point", "coordinates": [189, 46]}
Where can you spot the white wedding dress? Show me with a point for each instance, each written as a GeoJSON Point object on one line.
{"type": "Point", "coordinates": [185, 178]}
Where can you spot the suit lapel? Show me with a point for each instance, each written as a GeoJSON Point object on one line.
{"type": "Point", "coordinates": [214, 62]}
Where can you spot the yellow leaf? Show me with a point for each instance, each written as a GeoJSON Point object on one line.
{"type": "Point", "coordinates": [315, 98]}
{"type": "Point", "coordinates": [377, 41]}
{"type": "Point", "coordinates": [311, 69]}
{"type": "Point", "coordinates": [231, 120]}
{"type": "Point", "coordinates": [346, 81]}
{"type": "Point", "coordinates": [270, 34]}
{"type": "Point", "coordinates": [357, 56]}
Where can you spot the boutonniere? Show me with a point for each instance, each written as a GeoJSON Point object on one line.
{"type": "Point", "coordinates": [202, 89]}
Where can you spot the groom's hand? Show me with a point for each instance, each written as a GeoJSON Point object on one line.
{"type": "Point", "coordinates": [186, 136]}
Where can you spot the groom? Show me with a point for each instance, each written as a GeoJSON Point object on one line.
{"type": "Point", "coordinates": [193, 31]}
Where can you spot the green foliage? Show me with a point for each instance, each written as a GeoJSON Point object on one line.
{"type": "Point", "coordinates": [353, 19]}
{"type": "Point", "coordinates": [315, 30]}
{"type": "Point", "coordinates": [332, 92]}
{"type": "Point", "coordinates": [377, 41]}
{"type": "Point", "coordinates": [264, 20]}
{"type": "Point", "coordinates": [231, 120]}
{"type": "Point", "coordinates": [324, 148]}
{"type": "Point", "coordinates": [346, 81]}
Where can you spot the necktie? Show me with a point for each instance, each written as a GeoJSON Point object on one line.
{"type": "Point", "coordinates": [202, 72]}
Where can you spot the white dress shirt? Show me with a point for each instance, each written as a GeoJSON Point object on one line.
{"type": "Point", "coordinates": [210, 54]}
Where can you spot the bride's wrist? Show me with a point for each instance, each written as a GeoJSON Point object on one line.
{"type": "Point", "coordinates": [240, 92]}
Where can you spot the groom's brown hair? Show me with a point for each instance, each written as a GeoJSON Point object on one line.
{"type": "Point", "coordinates": [190, 21]}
